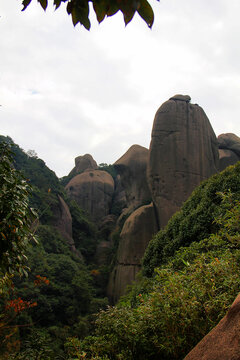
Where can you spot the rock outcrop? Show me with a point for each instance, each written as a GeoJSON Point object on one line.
{"type": "Point", "coordinates": [83, 163]}
{"type": "Point", "coordinates": [229, 150]}
{"type": "Point", "coordinates": [132, 168]}
{"type": "Point", "coordinates": [183, 152]}
{"type": "Point", "coordinates": [137, 231]}
{"type": "Point", "coordinates": [63, 223]}
{"type": "Point", "coordinates": [223, 341]}
{"type": "Point", "coordinates": [93, 192]}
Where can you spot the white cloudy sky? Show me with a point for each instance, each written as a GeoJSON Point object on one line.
{"type": "Point", "coordinates": [65, 91]}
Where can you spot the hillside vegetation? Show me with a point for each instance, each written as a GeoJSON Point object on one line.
{"type": "Point", "coordinates": [193, 277]}
{"type": "Point", "coordinates": [190, 277]}
{"type": "Point", "coordinates": [60, 293]}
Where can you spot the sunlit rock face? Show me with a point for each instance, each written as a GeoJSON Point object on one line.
{"type": "Point", "coordinates": [183, 152]}
{"type": "Point", "coordinates": [229, 150]}
{"type": "Point", "coordinates": [136, 233]}
{"type": "Point", "coordinates": [223, 341]}
{"type": "Point", "coordinates": [131, 168]}
{"type": "Point", "coordinates": [93, 192]}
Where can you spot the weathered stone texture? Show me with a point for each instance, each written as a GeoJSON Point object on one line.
{"type": "Point", "coordinates": [229, 150]}
{"type": "Point", "coordinates": [223, 342]}
{"type": "Point", "coordinates": [83, 163]}
{"type": "Point", "coordinates": [183, 152]}
{"type": "Point", "coordinates": [132, 170]}
{"type": "Point", "coordinates": [93, 191]}
{"type": "Point", "coordinates": [137, 231]}
{"type": "Point", "coordinates": [63, 223]}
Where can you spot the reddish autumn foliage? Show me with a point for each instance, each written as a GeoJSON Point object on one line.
{"type": "Point", "coordinates": [41, 280]}
{"type": "Point", "coordinates": [18, 305]}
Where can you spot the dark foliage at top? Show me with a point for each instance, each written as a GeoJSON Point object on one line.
{"type": "Point", "coordinates": [79, 9]}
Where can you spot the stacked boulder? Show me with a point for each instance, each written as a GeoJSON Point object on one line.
{"type": "Point", "coordinates": [149, 186]}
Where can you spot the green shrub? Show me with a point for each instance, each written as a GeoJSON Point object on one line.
{"type": "Point", "coordinates": [185, 300]}
{"type": "Point", "coordinates": [16, 218]}
{"type": "Point", "coordinates": [195, 220]}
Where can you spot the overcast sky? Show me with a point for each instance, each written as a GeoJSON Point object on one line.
{"type": "Point", "coordinates": [66, 92]}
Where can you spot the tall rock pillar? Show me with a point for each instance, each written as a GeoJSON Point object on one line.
{"type": "Point", "coordinates": [183, 152]}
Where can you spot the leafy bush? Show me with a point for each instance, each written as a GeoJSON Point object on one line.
{"type": "Point", "coordinates": [185, 300]}
{"type": "Point", "coordinates": [16, 218]}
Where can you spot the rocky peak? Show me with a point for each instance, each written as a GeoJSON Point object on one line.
{"type": "Point", "coordinates": [183, 152]}
{"type": "Point", "coordinates": [85, 162]}
{"type": "Point", "coordinates": [179, 97]}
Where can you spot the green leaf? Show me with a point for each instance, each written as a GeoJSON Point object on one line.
{"type": "Point", "coordinates": [57, 3]}
{"type": "Point", "coordinates": [100, 10]}
{"type": "Point", "coordinates": [146, 12]}
{"type": "Point", "coordinates": [112, 8]}
{"type": "Point", "coordinates": [44, 3]}
{"type": "Point", "coordinates": [80, 14]}
{"type": "Point", "coordinates": [69, 7]}
{"type": "Point", "coordinates": [128, 16]}
{"type": "Point", "coordinates": [128, 9]}
{"type": "Point", "coordinates": [25, 4]}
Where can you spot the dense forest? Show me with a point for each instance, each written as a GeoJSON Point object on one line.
{"type": "Point", "coordinates": [55, 306]}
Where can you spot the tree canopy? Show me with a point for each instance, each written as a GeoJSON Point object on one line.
{"type": "Point", "coordinates": [16, 218]}
{"type": "Point", "coordinates": [79, 9]}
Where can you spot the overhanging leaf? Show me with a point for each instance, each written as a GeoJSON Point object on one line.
{"type": "Point", "coordinates": [128, 8]}
{"type": "Point", "coordinates": [25, 4]}
{"type": "Point", "coordinates": [44, 3]}
{"type": "Point", "coordinates": [128, 16]}
{"type": "Point", "coordinates": [146, 12]}
{"type": "Point", "coordinates": [80, 14]}
{"type": "Point", "coordinates": [57, 3]}
{"type": "Point", "coordinates": [69, 7]}
{"type": "Point", "coordinates": [100, 8]}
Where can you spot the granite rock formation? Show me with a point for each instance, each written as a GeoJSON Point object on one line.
{"type": "Point", "coordinates": [131, 168]}
{"type": "Point", "coordinates": [223, 341]}
{"type": "Point", "coordinates": [93, 192]}
{"type": "Point", "coordinates": [136, 233]}
{"type": "Point", "coordinates": [183, 152]}
{"type": "Point", "coordinates": [83, 163]}
{"type": "Point", "coordinates": [229, 150]}
{"type": "Point", "coordinates": [63, 223]}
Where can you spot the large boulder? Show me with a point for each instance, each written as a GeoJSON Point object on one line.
{"type": "Point", "coordinates": [229, 150]}
{"type": "Point", "coordinates": [223, 341]}
{"type": "Point", "coordinates": [132, 170]}
{"type": "Point", "coordinates": [136, 233]}
{"type": "Point", "coordinates": [183, 152]}
{"type": "Point", "coordinates": [93, 191]}
{"type": "Point", "coordinates": [83, 163]}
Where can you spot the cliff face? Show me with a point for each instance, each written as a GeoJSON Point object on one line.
{"type": "Point", "coordinates": [183, 152]}
{"type": "Point", "coordinates": [131, 168]}
{"type": "Point", "coordinates": [136, 233]}
{"type": "Point", "coordinates": [93, 192]}
{"type": "Point", "coordinates": [63, 222]}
